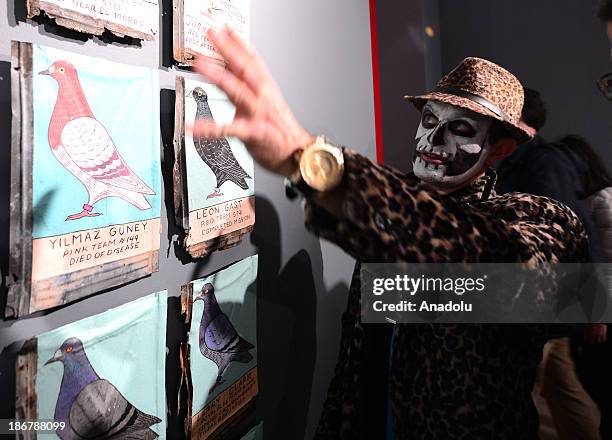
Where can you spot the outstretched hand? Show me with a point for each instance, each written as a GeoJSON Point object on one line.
{"type": "Point", "coordinates": [263, 120]}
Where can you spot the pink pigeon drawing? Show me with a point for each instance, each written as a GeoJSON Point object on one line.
{"type": "Point", "coordinates": [83, 146]}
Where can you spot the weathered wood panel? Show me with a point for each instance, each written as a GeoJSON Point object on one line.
{"type": "Point", "coordinates": [221, 242]}
{"type": "Point", "coordinates": [70, 260]}
{"type": "Point", "coordinates": [63, 289]}
{"type": "Point", "coordinates": [20, 242]}
{"type": "Point", "coordinates": [181, 208]}
{"type": "Point", "coordinates": [228, 407]}
{"type": "Point", "coordinates": [192, 18]}
{"type": "Point", "coordinates": [198, 237]}
{"type": "Point", "coordinates": [186, 385]}
{"type": "Point", "coordinates": [135, 18]}
{"type": "Point", "coordinates": [25, 387]}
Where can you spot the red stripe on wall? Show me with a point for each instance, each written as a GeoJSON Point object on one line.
{"type": "Point", "coordinates": [376, 80]}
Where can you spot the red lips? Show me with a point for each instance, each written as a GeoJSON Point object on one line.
{"type": "Point", "coordinates": [432, 158]}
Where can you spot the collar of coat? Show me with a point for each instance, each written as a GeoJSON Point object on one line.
{"type": "Point", "coordinates": [479, 190]}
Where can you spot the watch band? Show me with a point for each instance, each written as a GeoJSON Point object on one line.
{"type": "Point", "coordinates": [293, 190]}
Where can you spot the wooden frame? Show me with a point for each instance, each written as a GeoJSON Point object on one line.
{"type": "Point", "coordinates": [25, 387]}
{"type": "Point", "coordinates": [20, 241]}
{"type": "Point", "coordinates": [189, 37]}
{"type": "Point", "coordinates": [51, 364]}
{"type": "Point", "coordinates": [28, 293]}
{"type": "Point", "coordinates": [195, 247]}
{"type": "Point", "coordinates": [95, 16]}
{"type": "Point", "coordinates": [227, 412]}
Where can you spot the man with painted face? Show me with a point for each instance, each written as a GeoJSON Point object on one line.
{"type": "Point", "coordinates": [446, 380]}
{"type": "Point", "coordinates": [452, 145]}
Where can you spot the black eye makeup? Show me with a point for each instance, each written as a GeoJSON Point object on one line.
{"type": "Point", "coordinates": [429, 120]}
{"type": "Point", "coordinates": [462, 128]}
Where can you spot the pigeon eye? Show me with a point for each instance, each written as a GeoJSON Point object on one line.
{"type": "Point", "coordinates": [69, 349]}
{"type": "Point", "coordinates": [61, 70]}
{"type": "Point", "coordinates": [199, 93]}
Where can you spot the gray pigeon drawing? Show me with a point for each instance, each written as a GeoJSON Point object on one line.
{"type": "Point", "coordinates": [92, 407]}
{"type": "Point", "coordinates": [219, 340]}
{"type": "Point", "coordinates": [227, 10]}
{"type": "Point", "coordinates": [217, 153]}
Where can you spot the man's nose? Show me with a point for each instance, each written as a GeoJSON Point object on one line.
{"type": "Point", "coordinates": [436, 137]}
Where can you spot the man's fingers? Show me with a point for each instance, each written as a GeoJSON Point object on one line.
{"type": "Point", "coordinates": [239, 128]}
{"type": "Point", "coordinates": [237, 91]}
{"type": "Point", "coordinates": [256, 60]}
{"type": "Point", "coordinates": [241, 61]}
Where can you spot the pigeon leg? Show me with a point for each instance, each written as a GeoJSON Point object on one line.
{"type": "Point", "coordinates": [86, 212]}
{"type": "Point", "coordinates": [217, 193]}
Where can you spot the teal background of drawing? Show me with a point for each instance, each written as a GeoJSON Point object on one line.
{"type": "Point", "coordinates": [236, 295]}
{"type": "Point", "coordinates": [125, 345]}
{"type": "Point", "coordinates": [125, 99]}
{"type": "Point", "coordinates": [201, 180]}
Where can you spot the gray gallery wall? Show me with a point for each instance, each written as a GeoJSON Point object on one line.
{"type": "Point", "coordinates": [557, 47]}
{"type": "Point", "coordinates": [319, 51]}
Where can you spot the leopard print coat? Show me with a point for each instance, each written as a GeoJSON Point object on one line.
{"type": "Point", "coordinates": [448, 381]}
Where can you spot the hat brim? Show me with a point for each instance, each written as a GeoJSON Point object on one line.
{"type": "Point", "coordinates": [516, 132]}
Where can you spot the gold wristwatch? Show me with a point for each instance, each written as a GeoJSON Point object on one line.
{"type": "Point", "coordinates": [320, 168]}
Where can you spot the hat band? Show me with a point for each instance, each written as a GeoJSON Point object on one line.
{"type": "Point", "coordinates": [477, 99]}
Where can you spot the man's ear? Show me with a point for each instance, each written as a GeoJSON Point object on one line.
{"type": "Point", "coordinates": [501, 149]}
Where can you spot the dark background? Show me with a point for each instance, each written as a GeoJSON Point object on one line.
{"type": "Point", "coordinates": [557, 47]}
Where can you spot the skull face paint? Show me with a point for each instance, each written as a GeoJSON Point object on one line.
{"type": "Point", "coordinates": [452, 145]}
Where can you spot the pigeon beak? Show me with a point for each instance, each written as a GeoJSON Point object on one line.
{"type": "Point", "coordinates": [189, 94]}
{"type": "Point", "coordinates": [198, 298]}
{"type": "Point", "coordinates": [44, 72]}
{"type": "Point", "coordinates": [56, 357]}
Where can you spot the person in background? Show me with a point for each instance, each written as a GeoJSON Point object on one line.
{"type": "Point", "coordinates": [595, 356]}
{"type": "Point", "coordinates": [549, 169]}
{"type": "Point", "coordinates": [604, 13]}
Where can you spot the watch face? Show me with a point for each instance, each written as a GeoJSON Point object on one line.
{"type": "Point", "coordinates": [320, 169]}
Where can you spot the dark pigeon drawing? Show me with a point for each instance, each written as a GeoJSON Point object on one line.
{"type": "Point", "coordinates": [226, 9]}
{"type": "Point", "coordinates": [219, 340]}
{"type": "Point", "coordinates": [217, 153]}
{"type": "Point", "coordinates": [92, 407]}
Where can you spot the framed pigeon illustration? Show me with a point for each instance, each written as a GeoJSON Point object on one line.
{"type": "Point", "coordinates": [134, 18]}
{"type": "Point", "coordinates": [220, 358]}
{"type": "Point", "coordinates": [214, 190]}
{"type": "Point", "coordinates": [101, 377]}
{"type": "Point", "coordinates": [192, 18]}
{"type": "Point", "coordinates": [85, 176]}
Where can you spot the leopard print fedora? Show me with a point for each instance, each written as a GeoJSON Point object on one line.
{"type": "Point", "coordinates": [482, 87]}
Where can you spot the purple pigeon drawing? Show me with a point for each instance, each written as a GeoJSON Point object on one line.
{"type": "Point", "coordinates": [219, 340]}
{"type": "Point", "coordinates": [91, 407]}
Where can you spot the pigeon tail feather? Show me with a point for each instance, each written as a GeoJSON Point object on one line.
{"type": "Point", "coordinates": [242, 357]}
{"type": "Point", "coordinates": [240, 181]}
{"type": "Point", "coordinates": [135, 198]}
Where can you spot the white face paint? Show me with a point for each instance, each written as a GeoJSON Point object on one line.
{"type": "Point", "coordinates": [452, 146]}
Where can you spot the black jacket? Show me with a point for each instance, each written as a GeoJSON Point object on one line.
{"type": "Point", "coordinates": [550, 169]}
